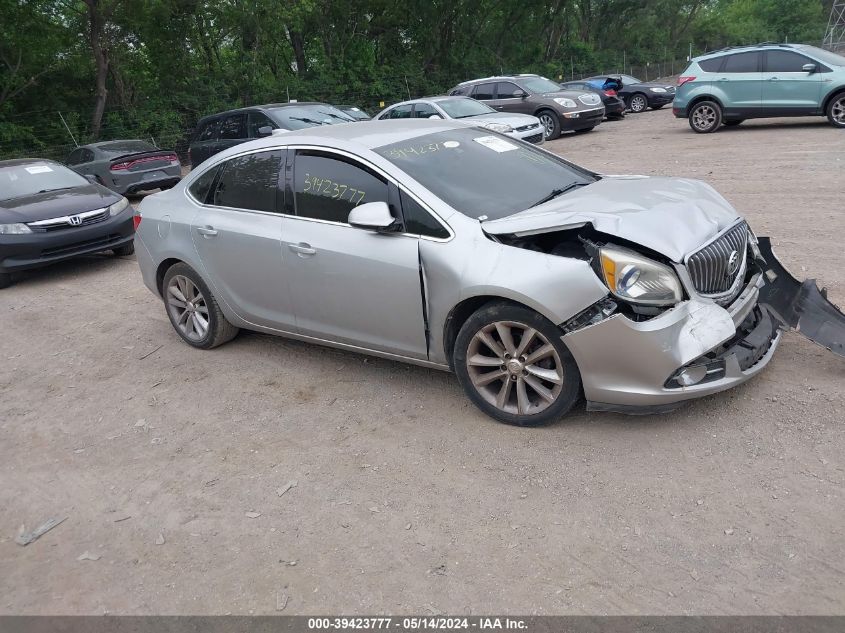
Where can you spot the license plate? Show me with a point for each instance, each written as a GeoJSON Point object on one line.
{"type": "Point", "coordinates": [153, 175]}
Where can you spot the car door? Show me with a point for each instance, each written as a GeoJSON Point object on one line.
{"type": "Point", "coordinates": [787, 87]}
{"type": "Point", "coordinates": [509, 98]}
{"type": "Point", "coordinates": [350, 285]}
{"type": "Point", "coordinates": [740, 83]}
{"type": "Point", "coordinates": [236, 230]}
{"type": "Point", "coordinates": [202, 147]}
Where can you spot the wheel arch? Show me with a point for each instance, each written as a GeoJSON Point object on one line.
{"type": "Point", "coordinates": [162, 269]}
{"type": "Point", "coordinates": [705, 97]}
{"type": "Point", "coordinates": [831, 96]}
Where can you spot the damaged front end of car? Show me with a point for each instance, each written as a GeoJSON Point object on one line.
{"type": "Point", "coordinates": [669, 331]}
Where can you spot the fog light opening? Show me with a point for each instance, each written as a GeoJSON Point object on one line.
{"type": "Point", "coordinates": [692, 375]}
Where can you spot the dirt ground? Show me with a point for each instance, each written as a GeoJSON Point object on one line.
{"type": "Point", "coordinates": [166, 460]}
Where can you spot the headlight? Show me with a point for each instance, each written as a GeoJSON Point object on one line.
{"type": "Point", "coordinates": [498, 127]}
{"type": "Point", "coordinates": [566, 103]}
{"type": "Point", "coordinates": [658, 89]}
{"type": "Point", "coordinates": [118, 207]}
{"type": "Point", "coordinates": [638, 279]}
{"type": "Point", "coordinates": [14, 229]}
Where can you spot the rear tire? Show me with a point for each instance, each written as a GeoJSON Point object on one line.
{"type": "Point", "coordinates": [638, 103]}
{"type": "Point", "coordinates": [734, 122]}
{"type": "Point", "coordinates": [551, 124]}
{"type": "Point", "coordinates": [125, 250]}
{"type": "Point", "coordinates": [192, 309]}
{"type": "Point", "coordinates": [5, 280]}
{"type": "Point", "coordinates": [513, 365]}
{"type": "Point", "coordinates": [705, 117]}
{"type": "Point", "coordinates": [836, 110]}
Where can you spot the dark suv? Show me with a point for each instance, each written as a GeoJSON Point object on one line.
{"type": "Point", "coordinates": [216, 132]}
{"type": "Point", "coordinates": [559, 110]}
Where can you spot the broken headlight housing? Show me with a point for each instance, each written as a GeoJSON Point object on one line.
{"type": "Point", "coordinates": [638, 279]}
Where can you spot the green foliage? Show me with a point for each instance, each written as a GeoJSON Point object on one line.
{"type": "Point", "coordinates": [172, 61]}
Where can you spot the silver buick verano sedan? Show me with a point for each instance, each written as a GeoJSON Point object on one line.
{"type": "Point", "coordinates": [451, 246]}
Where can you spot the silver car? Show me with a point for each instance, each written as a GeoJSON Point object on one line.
{"type": "Point", "coordinates": [127, 167]}
{"type": "Point", "coordinates": [450, 246]}
{"type": "Point", "coordinates": [522, 126]}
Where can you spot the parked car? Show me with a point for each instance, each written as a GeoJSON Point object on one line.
{"type": "Point", "coordinates": [614, 105]}
{"type": "Point", "coordinates": [217, 132]}
{"type": "Point", "coordinates": [451, 246]}
{"type": "Point", "coordinates": [127, 167]}
{"type": "Point", "coordinates": [640, 95]}
{"type": "Point", "coordinates": [768, 80]}
{"type": "Point", "coordinates": [558, 110]}
{"type": "Point", "coordinates": [522, 126]}
{"type": "Point", "coordinates": [355, 112]}
{"type": "Point", "coordinates": [49, 213]}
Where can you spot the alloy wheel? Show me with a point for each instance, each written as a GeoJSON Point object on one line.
{"type": "Point", "coordinates": [704, 117]}
{"type": "Point", "coordinates": [548, 125]}
{"type": "Point", "coordinates": [837, 111]}
{"type": "Point", "coordinates": [514, 368]}
{"type": "Point", "coordinates": [187, 307]}
{"type": "Point", "coordinates": [638, 103]}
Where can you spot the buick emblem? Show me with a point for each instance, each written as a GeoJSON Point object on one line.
{"type": "Point", "coordinates": [74, 220]}
{"type": "Point", "coordinates": [733, 263]}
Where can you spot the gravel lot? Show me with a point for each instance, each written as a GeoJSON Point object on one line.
{"type": "Point", "coordinates": [408, 500]}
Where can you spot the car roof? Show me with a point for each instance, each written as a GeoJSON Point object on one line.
{"type": "Point", "coordinates": [17, 162]}
{"type": "Point", "coordinates": [266, 106]}
{"type": "Point", "coordinates": [749, 47]}
{"type": "Point", "coordinates": [499, 78]}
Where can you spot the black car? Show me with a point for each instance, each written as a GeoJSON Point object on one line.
{"type": "Point", "coordinates": [614, 106]}
{"type": "Point", "coordinates": [355, 112]}
{"type": "Point", "coordinates": [217, 132]}
{"type": "Point", "coordinates": [49, 213]}
{"type": "Point", "coordinates": [640, 95]}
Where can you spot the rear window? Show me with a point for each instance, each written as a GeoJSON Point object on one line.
{"type": "Point", "coordinates": [119, 148]}
{"type": "Point", "coordinates": [32, 178]}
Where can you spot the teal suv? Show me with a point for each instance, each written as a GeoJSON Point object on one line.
{"type": "Point", "coordinates": [767, 80]}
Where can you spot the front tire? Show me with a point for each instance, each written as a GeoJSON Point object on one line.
{"type": "Point", "coordinates": [192, 309]}
{"type": "Point", "coordinates": [513, 365]}
{"type": "Point", "coordinates": [125, 250]}
{"type": "Point", "coordinates": [551, 124]}
{"type": "Point", "coordinates": [836, 110]}
{"type": "Point", "coordinates": [705, 117]}
{"type": "Point", "coordinates": [638, 103]}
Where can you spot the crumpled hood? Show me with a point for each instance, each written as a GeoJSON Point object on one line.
{"type": "Point", "coordinates": [672, 216]}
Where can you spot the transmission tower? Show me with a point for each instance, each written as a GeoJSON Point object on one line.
{"type": "Point", "coordinates": [834, 38]}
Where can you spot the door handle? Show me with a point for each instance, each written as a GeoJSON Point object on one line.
{"type": "Point", "coordinates": [302, 249]}
{"type": "Point", "coordinates": [206, 231]}
{"type": "Point", "coordinates": [773, 78]}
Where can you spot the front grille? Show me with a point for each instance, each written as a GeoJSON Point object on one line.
{"type": "Point", "coordinates": [536, 138]}
{"type": "Point", "coordinates": [64, 223]}
{"type": "Point", "coordinates": [715, 268]}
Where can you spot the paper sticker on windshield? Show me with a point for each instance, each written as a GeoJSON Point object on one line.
{"type": "Point", "coordinates": [451, 144]}
{"type": "Point", "coordinates": [38, 169]}
{"type": "Point", "coordinates": [495, 143]}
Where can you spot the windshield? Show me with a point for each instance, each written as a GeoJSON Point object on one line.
{"type": "Point", "coordinates": [463, 108]}
{"type": "Point", "coordinates": [827, 57]}
{"type": "Point", "coordinates": [480, 173]}
{"type": "Point", "coordinates": [119, 148]}
{"type": "Point", "coordinates": [31, 178]}
{"type": "Point", "coordinates": [300, 117]}
{"type": "Point", "coordinates": [538, 84]}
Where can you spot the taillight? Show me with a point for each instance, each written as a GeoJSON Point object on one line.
{"type": "Point", "coordinates": [610, 93]}
{"type": "Point", "coordinates": [120, 166]}
{"type": "Point", "coordinates": [173, 158]}
{"type": "Point", "coordinates": [136, 219]}
{"type": "Point", "coordinates": [683, 80]}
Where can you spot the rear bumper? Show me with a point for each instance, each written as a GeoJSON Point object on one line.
{"type": "Point", "coordinates": [132, 182]}
{"type": "Point", "coordinates": [581, 120]}
{"type": "Point", "coordinates": [660, 98]}
{"type": "Point", "coordinates": [20, 252]}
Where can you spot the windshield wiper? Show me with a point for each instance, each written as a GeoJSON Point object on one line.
{"type": "Point", "coordinates": [58, 189]}
{"type": "Point", "coordinates": [554, 193]}
{"type": "Point", "coordinates": [307, 120]}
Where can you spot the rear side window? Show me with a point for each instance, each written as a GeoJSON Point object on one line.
{"type": "Point", "coordinates": [711, 65]}
{"type": "Point", "coordinates": [418, 221]}
{"type": "Point", "coordinates": [743, 63]}
{"type": "Point", "coordinates": [328, 187]}
{"type": "Point", "coordinates": [786, 62]}
{"type": "Point", "coordinates": [233, 127]}
{"type": "Point", "coordinates": [250, 182]}
{"type": "Point", "coordinates": [483, 91]}
{"type": "Point", "coordinates": [201, 187]}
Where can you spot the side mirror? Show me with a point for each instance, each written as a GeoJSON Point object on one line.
{"type": "Point", "coordinates": [521, 94]}
{"type": "Point", "coordinates": [809, 68]}
{"type": "Point", "coordinates": [374, 216]}
{"type": "Point", "coordinates": [435, 116]}
{"type": "Point", "coordinates": [91, 178]}
{"type": "Point", "coordinates": [265, 130]}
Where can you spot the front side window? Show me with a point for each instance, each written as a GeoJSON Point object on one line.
{"type": "Point", "coordinates": [484, 91]}
{"type": "Point", "coordinates": [328, 186]}
{"type": "Point", "coordinates": [233, 127]}
{"type": "Point", "coordinates": [250, 182]}
{"type": "Point", "coordinates": [418, 221]}
{"type": "Point", "coordinates": [424, 111]}
{"type": "Point", "coordinates": [786, 62]}
{"type": "Point", "coordinates": [256, 121]}
{"type": "Point", "coordinates": [481, 173]}
{"type": "Point", "coordinates": [400, 112]}
{"type": "Point", "coordinates": [507, 90]}
{"type": "Point", "coordinates": [743, 63]}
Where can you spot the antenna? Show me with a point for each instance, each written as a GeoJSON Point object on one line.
{"type": "Point", "coordinates": [834, 38]}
